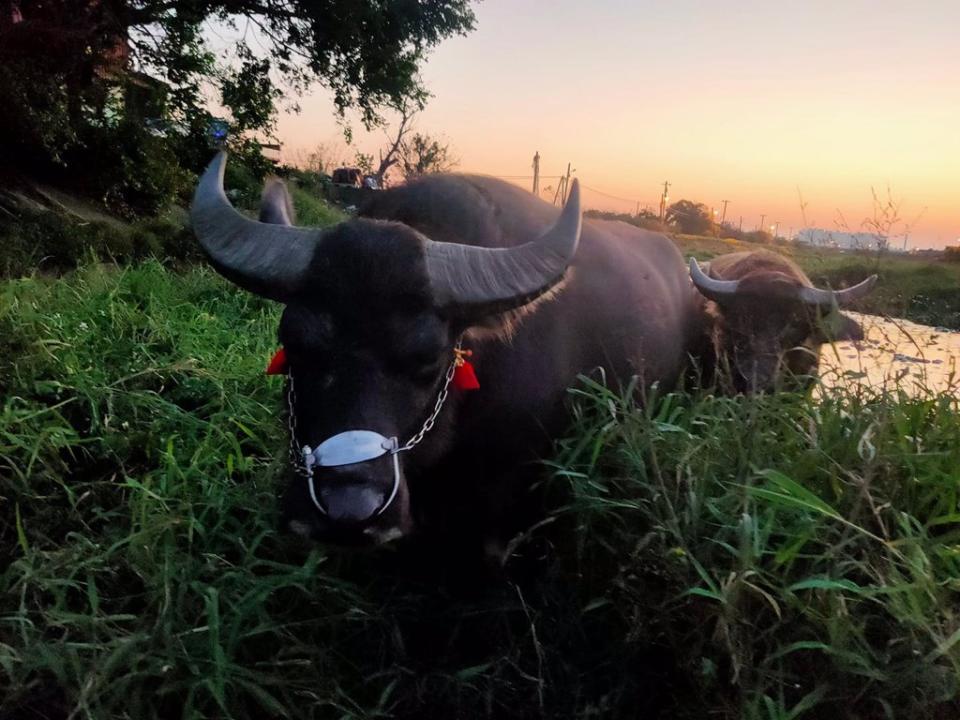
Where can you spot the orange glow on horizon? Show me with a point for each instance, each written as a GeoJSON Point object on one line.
{"type": "Point", "coordinates": [743, 102]}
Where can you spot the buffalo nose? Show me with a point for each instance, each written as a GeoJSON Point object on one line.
{"type": "Point", "coordinates": [350, 503]}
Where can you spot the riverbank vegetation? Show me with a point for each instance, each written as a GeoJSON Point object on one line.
{"type": "Point", "coordinates": [766, 557]}
{"type": "Point", "coordinates": [51, 233]}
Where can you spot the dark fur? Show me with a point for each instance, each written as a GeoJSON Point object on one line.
{"type": "Point", "coordinates": [764, 338]}
{"type": "Point", "coordinates": [369, 351]}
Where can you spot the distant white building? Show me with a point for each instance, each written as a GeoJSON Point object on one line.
{"type": "Point", "coordinates": [819, 237]}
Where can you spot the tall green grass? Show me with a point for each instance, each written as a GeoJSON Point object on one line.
{"type": "Point", "coordinates": [735, 558]}
{"type": "Point", "coordinates": [136, 438]}
{"type": "Point", "coordinates": [313, 211]}
{"type": "Point", "coordinates": [801, 558]}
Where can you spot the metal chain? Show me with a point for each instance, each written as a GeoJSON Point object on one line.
{"type": "Point", "coordinates": [296, 451]}
{"type": "Point", "coordinates": [438, 406]}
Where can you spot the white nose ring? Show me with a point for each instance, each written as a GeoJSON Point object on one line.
{"type": "Point", "coordinates": [349, 448]}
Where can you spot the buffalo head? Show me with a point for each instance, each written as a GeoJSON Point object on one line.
{"type": "Point", "coordinates": [373, 312]}
{"type": "Point", "coordinates": [769, 321]}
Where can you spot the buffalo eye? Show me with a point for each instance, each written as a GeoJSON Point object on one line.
{"type": "Point", "coordinates": [420, 347]}
{"type": "Point", "coordinates": [423, 366]}
{"type": "Point", "coordinates": [306, 330]}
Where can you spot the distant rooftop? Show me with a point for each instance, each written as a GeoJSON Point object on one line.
{"type": "Point", "coordinates": [843, 240]}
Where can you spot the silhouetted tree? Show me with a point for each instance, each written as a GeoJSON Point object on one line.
{"type": "Point", "coordinates": [423, 154]}
{"type": "Point", "coordinates": [60, 59]}
{"type": "Point", "coordinates": [391, 157]}
{"type": "Point", "coordinates": [689, 217]}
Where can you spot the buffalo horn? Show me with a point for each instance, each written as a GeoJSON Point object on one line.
{"type": "Point", "coordinates": [816, 296]}
{"type": "Point", "coordinates": [711, 287]}
{"type": "Point", "coordinates": [267, 259]}
{"type": "Point", "coordinates": [474, 279]}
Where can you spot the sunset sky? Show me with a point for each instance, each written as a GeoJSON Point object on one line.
{"type": "Point", "coordinates": [743, 101]}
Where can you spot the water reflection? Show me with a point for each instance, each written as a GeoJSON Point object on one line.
{"type": "Point", "coordinates": [895, 354]}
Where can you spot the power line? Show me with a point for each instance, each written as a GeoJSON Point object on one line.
{"type": "Point", "coordinates": [613, 197]}
{"type": "Point", "coordinates": [526, 177]}
{"type": "Point", "coordinates": [632, 201]}
{"type": "Point", "coordinates": [557, 177]}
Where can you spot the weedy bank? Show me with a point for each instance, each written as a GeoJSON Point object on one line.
{"type": "Point", "coordinates": [45, 231]}
{"type": "Point", "coordinates": [743, 558]}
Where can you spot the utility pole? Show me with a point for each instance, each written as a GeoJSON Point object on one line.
{"type": "Point", "coordinates": [723, 216]}
{"type": "Point", "coordinates": [762, 218]}
{"type": "Point", "coordinates": [663, 200]}
{"type": "Point", "coordinates": [638, 208]}
{"type": "Point", "coordinates": [536, 173]}
{"type": "Point", "coordinates": [566, 185]}
{"type": "Point", "coordinates": [741, 223]}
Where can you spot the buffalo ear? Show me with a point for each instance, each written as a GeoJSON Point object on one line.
{"type": "Point", "coordinates": [837, 327]}
{"type": "Point", "coordinates": [503, 325]}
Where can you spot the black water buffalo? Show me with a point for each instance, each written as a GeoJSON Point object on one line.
{"type": "Point", "coordinates": [768, 321]}
{"type": "Point", "coordinates": [375, 309]}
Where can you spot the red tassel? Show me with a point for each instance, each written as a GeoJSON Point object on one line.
{"type": "Point", "coordinates": [278, 363]}
{"type": "Point", "coordinates": [464, 377]}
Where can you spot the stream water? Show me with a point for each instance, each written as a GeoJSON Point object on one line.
{"type": "Point", "coordinates": [918, 359]}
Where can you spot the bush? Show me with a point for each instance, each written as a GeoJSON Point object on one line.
{"type": "Point", "coordinates": [129, 170]}
{"type": "Point", "coordinates": [44, 241]}
{"type": "Point", "coordinates": [690, 218]}
{"type": "Point", "coordinates": [243, 186]}
{"type": "Point", "coordinates": [317, 184]}
{"type": "Point", "coordinates": [35, 127]}
{"type": "Point", "coordinates": [33, 239]}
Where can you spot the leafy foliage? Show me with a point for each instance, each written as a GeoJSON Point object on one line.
{"type": "Point", "coordinates": [690, 217]}
{"type": "Point", "coordinates": [367, 52]}
{"type": "Point", "coordinates": [113, 91]}
{"type": "Point", "coordinates": [422, 154]}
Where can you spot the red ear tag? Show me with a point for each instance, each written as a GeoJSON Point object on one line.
{"type": "Point", "coordinates": [278, 363]}
{"type": "Point", "coordinates": [464, 377]}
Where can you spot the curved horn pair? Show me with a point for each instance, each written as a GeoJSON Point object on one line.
{"type": "Point", "coordinates": [716, 289]}
{"type": "Point", "coordinates": [274, 260]}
